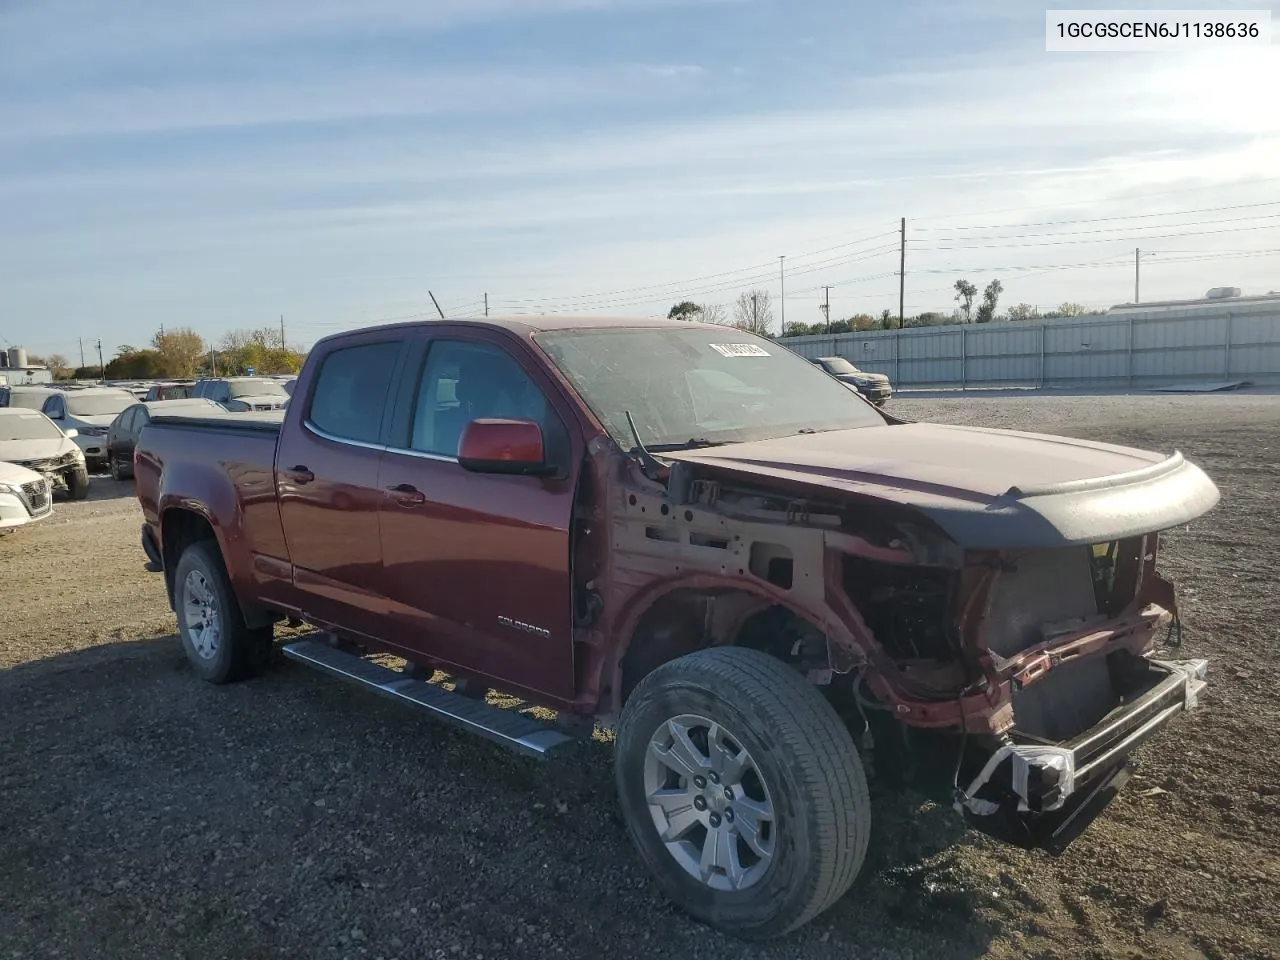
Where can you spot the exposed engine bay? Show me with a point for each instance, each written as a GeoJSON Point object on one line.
{"type": "Point", "coordinates": [1011, 683]}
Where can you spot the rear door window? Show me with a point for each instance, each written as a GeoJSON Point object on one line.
{"type": "Point", "coordinates": [349, 401]}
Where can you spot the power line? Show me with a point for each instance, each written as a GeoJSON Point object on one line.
{"type": "Point", "coordinates": [721, 286]}
{"type": "Point", "coordinates": [1132, 216]}
{"type": "Point", "coordinates": [1086, 203]}
{"type": "Point", "coordinates": [655, 287]}
{"type": "Point", "coordinates": [1055, 243]}
{"type": "Point", "coordinates": [1125, 230]}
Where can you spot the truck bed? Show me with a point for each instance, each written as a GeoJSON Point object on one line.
{"type": "Point", "coordinates": [258, 421]}
{"type": "Point", "coordinates": [222, 463]}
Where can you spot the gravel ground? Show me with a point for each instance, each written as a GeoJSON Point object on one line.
{"type": "Point", "coordinates": [145, 814]}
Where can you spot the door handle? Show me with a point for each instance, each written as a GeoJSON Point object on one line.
{"type": "Point", "coordinates": [407, 495]}
{"type": "Point", "coordinates": [300, 475]}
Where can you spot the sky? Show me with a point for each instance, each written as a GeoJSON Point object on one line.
{"type": "Point", "coordinates": [219, 165]}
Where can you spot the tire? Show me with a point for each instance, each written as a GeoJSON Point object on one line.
{"type": "Point", "coordinates": [116, 474]}
{"type": "Point", "coordinates": [802, 760]}
{"type": "Point", "coordinates": [203, 599]}
{"type": "Point", "coordinates": [77, 481]}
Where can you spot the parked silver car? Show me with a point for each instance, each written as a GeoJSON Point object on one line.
{"type": "Point", "coordinates": [89, 413]}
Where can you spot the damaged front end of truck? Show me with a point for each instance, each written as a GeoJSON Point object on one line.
{"type": "Point", "coordinates": [1018, 685]}
{"type": "Point", "coordinates": [997, 646]}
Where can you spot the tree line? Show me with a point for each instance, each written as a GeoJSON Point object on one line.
{"type": "Point", "coordinates": [182, 354]}
{"type": "Point", "coordinates": [753, 312]}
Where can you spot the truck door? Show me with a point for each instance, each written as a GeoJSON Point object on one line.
{"type": "Point", "coordinates": [476, 566]}
{"type": "Point", "coordinates": [327, 482]}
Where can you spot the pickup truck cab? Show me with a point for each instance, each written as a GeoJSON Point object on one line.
{"type": "Point", "coordinates": [694, 536]}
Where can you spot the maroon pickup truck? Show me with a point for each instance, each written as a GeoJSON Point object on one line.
{"type": "Point", "coordinates": [759, 580]}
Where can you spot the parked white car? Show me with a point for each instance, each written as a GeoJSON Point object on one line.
{"type": "Point", "coordinates": [89, 413]}
{"type": "Point", "coordinates": [24, 496]}
{"type": "Point", "coordinates": [30, 439]}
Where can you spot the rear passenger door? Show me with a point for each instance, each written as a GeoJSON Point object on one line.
{"type": "Point", "coordinates": [327, 466]}
{"type": "Point", "coordinates": [476, 566]}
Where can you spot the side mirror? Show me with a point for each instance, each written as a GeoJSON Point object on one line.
{"type": "Point", "coordinates": [71, 434]}
{"type": "Point", "coordinates": [503, 446]}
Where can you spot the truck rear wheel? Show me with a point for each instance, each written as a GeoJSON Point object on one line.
{"type": "Point", "coordinates": [214, 636]}
{"type": "Point", "coordinates": [743, 791]}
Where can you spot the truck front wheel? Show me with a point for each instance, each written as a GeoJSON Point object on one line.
{"type": "Point", "coordinates": [743, 791]}
{"type": "Point", "coordinates": [77, 480]}
{"type": "Point", "coordinates": [214, 636]}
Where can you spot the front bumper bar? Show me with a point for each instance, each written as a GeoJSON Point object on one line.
{"type": "Point", "coordinates": [1038, 794]}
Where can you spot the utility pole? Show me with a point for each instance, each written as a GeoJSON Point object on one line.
{"type": "Point", "coordinates": [282, 331]}
{"type": "Point", "coordinates": [902, 271]}
{"type": "Point", "coordinates": [1137, 260]}
{"type": "Point", "coordinates": [82, 351]}
{"type": "Point", "coordinates": [782, 284]}
{"type": "Point", "coordinates": [101, 366]}
{"type": "Point", "coordinates": [486, 304]}
{"type": "Point", "coordinates": [826, 306]}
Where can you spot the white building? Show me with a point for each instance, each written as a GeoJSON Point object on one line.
{"type": "Point", "coordinates": [15, 370]}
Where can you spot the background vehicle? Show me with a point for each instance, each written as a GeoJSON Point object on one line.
{"type": "Point", "coordinates": [30, 439]}
{"type": "Point", "coordinates": [24, 496]}
{"type": "Point", "coordinates": [239, 394]}
{"type": "Point", "coordinates": [550, 506]}
{"type": "Point", "coordinates": [89, 413]}
{"type": "Point", "coordinates": [874, 386]}
{"type": "Point", "coordinates": [29, 398]}
{"type": "Point", "coordinates": [178, 390]}
{"type": "Point", "coordinates": [124, 430]}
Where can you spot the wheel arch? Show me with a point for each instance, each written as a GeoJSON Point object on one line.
{"type": "Point", "coordinates": [679, 616]}
{"type": "Point", "coordinates": [184, 524]}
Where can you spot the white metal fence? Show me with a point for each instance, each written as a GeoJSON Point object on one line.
{"type": "Point", "coordinates": [1144, 350]}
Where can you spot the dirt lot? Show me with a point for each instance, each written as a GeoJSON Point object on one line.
{"type": "Point", "coordinates": [145, 814]}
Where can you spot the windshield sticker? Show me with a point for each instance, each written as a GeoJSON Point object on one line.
{"type": "Point", "coordinates": [739, 350]}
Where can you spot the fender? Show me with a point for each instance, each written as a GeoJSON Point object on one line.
{"type": "Point", "coordinates": [628, 618]}
{"type": "Point", "coordinates": [213, 499]}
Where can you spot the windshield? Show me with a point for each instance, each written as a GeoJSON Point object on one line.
{"type": "Point", "coordinates": [720, 386]}
{"type": "Point", "coordinates": [27, 399]}
{"type": "Point", "coordinates": [99, 405]}
{"type": "Point", "coordinates": [839, 365]}
{"type": "Point", "coordinates": [257, 388]}
{"type": "Point", "coordinates": [28, 426]}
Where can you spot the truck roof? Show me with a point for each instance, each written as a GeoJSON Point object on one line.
{"type": "Point", "coordinates": [525, 325]}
